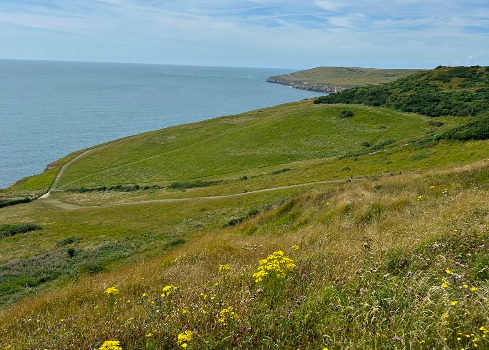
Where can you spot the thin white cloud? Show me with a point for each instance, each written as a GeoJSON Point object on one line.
{"type": "Point", "coordinates": [286, 27]}
{"type": "Point", "coordinates": [330, 5]}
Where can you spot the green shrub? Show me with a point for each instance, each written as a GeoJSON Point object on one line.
{"type": "Point", "coordinates": [345, 114]}
{"type": "Point", "coordinates": [92, 268]}
{"type": "Point", "coordinates": [436, 124]}
{"type": "Point", "coordinates": [14, 202]}
{"type": "Point", "coordinates": [65, 241]}
{"type": "Point", "coordinates": [276, 172]}
{"type": "Point", "coordinates": [196, 184]}
{"type": "Point", "coordinates": [71, 252]}
{"type": "Point", "coordinates": [477, 129]}
{"type": "Point", "coordinates": [11, 230]}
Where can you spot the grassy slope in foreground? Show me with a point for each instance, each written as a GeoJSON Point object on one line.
{"type": "Point", "coordinates": [367, 276]}
{"type": "Point", "coordinates": [331, 79]}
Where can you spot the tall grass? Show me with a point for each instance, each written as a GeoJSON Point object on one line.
{"type": "Point", "coordinates": [371, 265]}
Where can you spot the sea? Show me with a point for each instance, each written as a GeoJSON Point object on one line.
{"type": "Point", "coordinates": [49, 109]}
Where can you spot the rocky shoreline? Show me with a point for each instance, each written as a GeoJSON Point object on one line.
{"type": "Point", "coordinates": [304, 85]}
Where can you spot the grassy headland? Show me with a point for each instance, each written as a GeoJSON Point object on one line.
{"type": "Point", "coordinates": [333, 79]}
{"type": "Point", "coordinates": [383, 262]}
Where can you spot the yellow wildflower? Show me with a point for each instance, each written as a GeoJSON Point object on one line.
{"type": "Point", "coordinates": [226, 315]}
{"type": "Point", "coordinates": [112, 291]}
{"type": "Point", "coordinates": [295, 247]}
{"type": "Point", "coordinates": [420, 198]}
{"type": "Point", "coordinates": [111, 345]}
{"type": "Point", "coordinates": [275, 266]}
{"type": "Point", "coordinates": [169, 291]}
{"type": "Point", "coordinates": [184, 338]}
{"type": "Point", "coordinates": [224, 269]}
{"type": "Point", "coordinates": [448, 271]}
{"type": "Point", "coordinates": [453, 303]}
{"type": "Point", "coordinates": [444, 285]}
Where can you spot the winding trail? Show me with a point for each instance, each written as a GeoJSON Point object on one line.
{"type": "Point", "coordinates": [63, 205]}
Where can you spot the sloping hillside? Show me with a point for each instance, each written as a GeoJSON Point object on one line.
{"type": "Point", "coordinates": [459, 91]}
{"type": "Point", "coordinates": [333, 79]}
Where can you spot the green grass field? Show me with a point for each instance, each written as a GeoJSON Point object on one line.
{"type": "Point", "coordinates": [224, 148]}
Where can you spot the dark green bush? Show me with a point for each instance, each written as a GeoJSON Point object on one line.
{"type": "Point", "coordinates": [196, 184]}
{"type": "Point", "coordinates": [116, 188]}
{"type": "Point", "coordinates": [477, 129]}
{"type": "Point", "coordinates": [383, 144]}
{"type": "Point", "coordinates": [65, 241]}
{"type": "Point", "coordinates": [436, 124]}
{"type": "Point", "coordinates": [71, 252]}
{"type": "Point", "coordinates": [11, 230]}
{"type": "Point", "coordinates": [92, 268]}
{"type": "Point", "coordinates": [345, 114]}
{"type": "Point", "coordinates": [276, 172]}
{"type": "Point", "coordinates": [14, 202]}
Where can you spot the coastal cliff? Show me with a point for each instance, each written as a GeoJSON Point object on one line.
{"type": "Point", "coordinates": [304, 85]}
{"type": "Point", "coordinates": [334, 79]}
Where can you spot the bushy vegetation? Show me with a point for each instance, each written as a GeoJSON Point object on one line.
{"type": "Point", "coordinates": [13, 229]}
{"type": "Point", "coordinates": [116, 188]}
{"type": "Point", "coordinates": [457, 91]}
{"type": "Point", "coordinates": [477, 129]}
{"type": "Point", "coordinates": [11, 202]}
{"type": "Point", "coordinates": [195, 184]}
{"type": "Point", "coordinates": [345, 114]}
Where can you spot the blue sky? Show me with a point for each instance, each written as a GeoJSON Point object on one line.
{"type": "Point", "coordinates": [262, 33]}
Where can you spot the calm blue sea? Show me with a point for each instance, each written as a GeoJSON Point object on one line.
{"type": "Point", "coordinates": [49, 109]}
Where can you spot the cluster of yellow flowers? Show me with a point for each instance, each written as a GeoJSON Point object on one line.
{"type": "Point", "coordinates": [295, 247]}
{"type": "Point", "coordinates": [184, 338]}
{"type": "Point", "coordinates": [226, 315]}
{"type": "Point", "coordinates": [169, 291]}
{"type": "Point", "coordinates": [472, 337]}
{"type": "Point", "coordinates": [444, 282]}
{"type": "Point", "coordinates": [111, 345]}
{"type": "Point", "coordinates": [224, 269]}
{"type": "Point", "coordinates": [277, 265]}
{"type": "Point", "coordinates": [112, 291]}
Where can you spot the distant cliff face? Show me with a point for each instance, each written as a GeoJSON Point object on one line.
{"type": "Point", "coordinates": [304, 85]}
{"type": "Point", "coordinates": [335, 79]}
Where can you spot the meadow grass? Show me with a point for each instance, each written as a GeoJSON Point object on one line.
{"type": "Point", "coordinates": [222, 147]}
{"type": "Point", "coordinates": [33, 185]}
{"type": "Point", "coordinates": [103, 238]}
{"type": "Point", "coordinates": [371, 263]}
